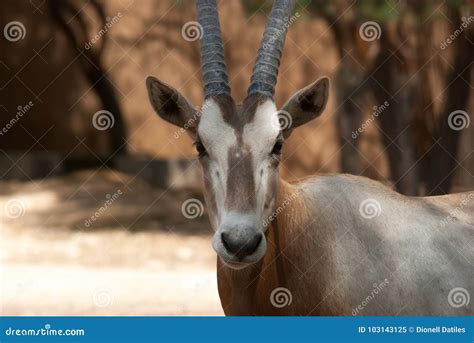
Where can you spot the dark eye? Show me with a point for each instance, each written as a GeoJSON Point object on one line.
{"type": "Point", "coordinates": [277, 148]}
{"type": "Point", "coordinates": [200, 149]}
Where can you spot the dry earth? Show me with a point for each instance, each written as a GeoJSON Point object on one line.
{"type": "Point", "coordinates": [140, 257]}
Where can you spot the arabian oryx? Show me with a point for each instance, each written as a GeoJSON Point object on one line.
{"type": "Point", "coordinates": [328, 245]}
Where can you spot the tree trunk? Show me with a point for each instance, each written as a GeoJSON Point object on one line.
{"type": "Point", "coordinates": [440, 162]}
{"type": "Point", "coordinates": [91, 64]}
{"type": "Point", "coordinates": [394, 84]}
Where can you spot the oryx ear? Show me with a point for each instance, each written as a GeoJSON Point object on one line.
{"type": "Point", "coordinates": [307, 104]}
{"type": "Point", "coordinates": [171, 106]}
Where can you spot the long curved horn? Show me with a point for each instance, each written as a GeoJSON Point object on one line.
{"type": "Point", "coordinates": [265, 72]}
{"type": "Point", "coordinates": [214, 71]}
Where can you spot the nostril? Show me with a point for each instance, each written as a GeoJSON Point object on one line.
{"type": "Point", "coordinates": [254, 243]}
{"type": "Point", "coordinates": [224, 239]}
{"type": "Point", "coordinates": [240, 246]}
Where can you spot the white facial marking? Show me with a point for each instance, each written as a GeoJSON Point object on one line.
{"type": "Point", "coordinates": [217, 137]}
{"type": "Point", "coordinates": [262, 132]}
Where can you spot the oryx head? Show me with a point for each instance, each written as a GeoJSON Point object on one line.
{"type": "Point", "coordinates": [239, 146]}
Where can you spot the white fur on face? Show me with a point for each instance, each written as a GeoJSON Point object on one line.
{"type": "Point", "coordinates": [262, 132]}
{"type": "Point", "coordinates": [258, 138]}
{"type": "Point", "coordinates": [217, 137]}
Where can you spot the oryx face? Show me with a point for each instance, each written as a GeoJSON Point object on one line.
{"type": "Point", "coordinates": [239, 150]}
{"type": "Point", "coordinates": [239, 146]}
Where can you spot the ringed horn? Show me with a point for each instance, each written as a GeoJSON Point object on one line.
{"type": "Point", "coordinates": [214, 71]}
{"type": "Point", "coordinates": [265, 72]}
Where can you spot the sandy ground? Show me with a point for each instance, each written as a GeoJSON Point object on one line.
{"type": "Point", "coordinates": [141, 256]}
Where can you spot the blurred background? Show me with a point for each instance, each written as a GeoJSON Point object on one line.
{"type": "Point", "coordinates": [93, 185]}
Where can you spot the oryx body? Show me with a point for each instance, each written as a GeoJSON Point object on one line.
{"type": "Point", "coordinates": [402, 257]}
{"type": "Point", "coordinates": [329, 245]}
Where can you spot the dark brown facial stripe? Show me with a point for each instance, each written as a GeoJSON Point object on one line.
{"type": "Point", "coordinates": [250, 105]}
{"type": "Point", "coordinates": [240, 181]}
{"type": "Point", "coordinates": [228, 109]}
{"type": "Point", "coordinates": [238, 116]}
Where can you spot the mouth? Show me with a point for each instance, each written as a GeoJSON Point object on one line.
{"type": "Point", "coordinates": [236, 265]}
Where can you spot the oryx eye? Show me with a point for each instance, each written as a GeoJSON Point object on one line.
{"type": "Point", "coordinates": [201, 150]}
{"type": "Point", "coordinates": [277, 148]}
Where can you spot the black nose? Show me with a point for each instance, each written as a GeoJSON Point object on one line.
{"type": "Point", "coordinates": [241, 245]}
